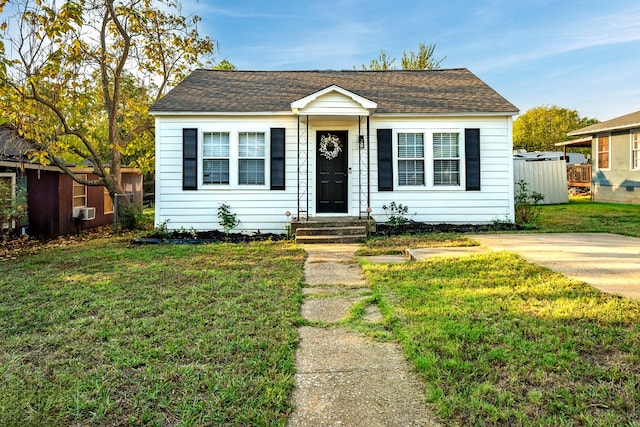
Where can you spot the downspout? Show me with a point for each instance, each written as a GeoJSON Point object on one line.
{"type": "Point", "coordinates": [359, 169]}
{"type": "Point", "coordinates": [368, 165]}
{"type": "Point", "coordinates": [298, 186]}
{"type": "Point", "coordinates": [308, 166]}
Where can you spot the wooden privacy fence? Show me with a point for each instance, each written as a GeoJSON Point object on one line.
{"type": "Point", "coordinates": [579, 175]}
{"type": "Point", "coordinates": [547, 177]}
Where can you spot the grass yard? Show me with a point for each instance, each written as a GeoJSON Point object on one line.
{"type": "Point", "coordinates": [583, 216]}
{"type": "Point", "coordinates": [394, 245]}
{"type": "Point", "coordinates": [501, 342]}
{"type": "Point", "coordinates": [101, 334]}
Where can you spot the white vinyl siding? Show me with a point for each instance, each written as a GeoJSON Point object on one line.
{"type": "Point", "coordinates": [215, 158]}
{"type": "Point", "coordinates": [410, 159]}
{"type": "Point", "coordinates": [259, 208]}
{"type": "Point", "coordinates": [251, 158]}
{"type": "Point", "coordinates": [446, 159]}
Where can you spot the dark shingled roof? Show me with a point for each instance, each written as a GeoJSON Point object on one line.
{"type": "Point", "coordinates": [627, 121]}
{"type": "Point", "coordinates": [401, 92]}
{"type": "Point", "coordinates": [12, 146]}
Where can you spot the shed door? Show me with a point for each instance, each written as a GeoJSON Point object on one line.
{"type": "Point", "coordinates": [332, 175]}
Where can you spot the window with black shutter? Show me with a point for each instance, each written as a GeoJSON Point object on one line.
{"type": "Point", "coordinates": [472, 158]}
{"type": "Point", "coordinates": [189, 159]}
{"type": "Point", "coordinates": [385, 160]}
{"type": "Point", "coordinates": [277, 159]}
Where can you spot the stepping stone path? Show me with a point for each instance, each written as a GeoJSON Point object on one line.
{"type": "Point", "coordinates": [344, 378]}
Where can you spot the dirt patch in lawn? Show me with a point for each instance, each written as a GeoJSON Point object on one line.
{"type": "Point", "coordinates": [11, 248]}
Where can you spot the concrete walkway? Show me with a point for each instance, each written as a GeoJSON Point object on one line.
{"type": "Point", "coordinates": [343, 378]}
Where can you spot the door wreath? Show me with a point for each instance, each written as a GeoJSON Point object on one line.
{"type": "Point", "coordinates": [330, 146]}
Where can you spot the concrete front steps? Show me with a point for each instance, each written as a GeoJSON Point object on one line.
{"type": "Point", "coordinates": [332, 230]}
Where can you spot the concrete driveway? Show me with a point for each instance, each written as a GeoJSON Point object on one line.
{"type": "Point", "coordinates": [609, 262]}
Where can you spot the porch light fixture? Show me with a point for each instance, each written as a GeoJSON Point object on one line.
{"type": "Point", "coordinates": [361, 140]}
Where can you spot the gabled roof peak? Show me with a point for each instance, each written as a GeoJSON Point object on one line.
{"type": "Point", "coordinates": [304, 102]}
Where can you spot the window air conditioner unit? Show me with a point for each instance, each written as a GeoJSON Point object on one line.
{"type": "Point", "coordinates": [84, 214]}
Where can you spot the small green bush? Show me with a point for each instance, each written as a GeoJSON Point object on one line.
{"type": "Point", "coordinates": [13, 208]}
{"type": "Point", "coordinates": [227, 220]}
{"type": "Point", "coordinates": [527, 207]}
{"type": "Point", "coordinates": [396, 213]}
{"type": "Point", "coordinates": [131, 217]}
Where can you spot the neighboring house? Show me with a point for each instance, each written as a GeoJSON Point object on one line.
{"type": "Point", "coordinates": [615, 173]}
{"type": "Point", "coordinates": [55, 202]}
{"type": "Point", "coordinates": [332, 143]}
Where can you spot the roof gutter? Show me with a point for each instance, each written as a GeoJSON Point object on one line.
{"type": "Point", "coordinates": [604, 129]}
{"type": "Point", "coordinates": [292, 113]}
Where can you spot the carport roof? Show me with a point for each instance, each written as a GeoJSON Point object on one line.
{"type": "Point", "coordinates": [582, 142]}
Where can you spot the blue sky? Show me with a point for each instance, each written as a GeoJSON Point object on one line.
{"type": "Point", "coordinates": [582, 55]}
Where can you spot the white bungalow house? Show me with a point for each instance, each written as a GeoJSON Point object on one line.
{"type": "Point", "coordinates": [332, 143]}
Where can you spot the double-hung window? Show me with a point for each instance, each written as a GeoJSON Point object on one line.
{"type": "Point", "coordinates": [635, 149]}
{"type": "Point", "coordinates": [603, 152]}
{"type": "Point", "coordinates": [446, 159]}
{"type": "Point", "coordinates": [251, 158]}
{"type": "Point", "coordinates": [215, 158]}
{"type": "Point", "coordinates": [410, 159]}
{"type": "Point", "coordinates": [80, 193]}
{"type": "Point", "coordinates": [107, 202]}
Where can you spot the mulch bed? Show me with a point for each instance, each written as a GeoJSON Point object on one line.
{"type": "Point", "coordinates": [212, 236]}
{"type": "Point", "coordinates": [414, 227]}
{"type": "Point", "coordinates": [12, 248]}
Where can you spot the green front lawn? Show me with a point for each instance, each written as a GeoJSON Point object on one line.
{"type": "Point", "coordinates": [102, 334]}
{"type": "Point", "coordinates": [581, 216]}
{"type": "Point", "coordinates": [501, 342]}
{"type": "Point", "coordinates": [99, 333]}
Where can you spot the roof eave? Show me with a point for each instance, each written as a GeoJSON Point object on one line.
{"type": "Point", "coordinates": [604, 129]}
{"type": "Point", "coordinates": [293, 113]}
{"type": "Point", "coordinates": [221, 113]}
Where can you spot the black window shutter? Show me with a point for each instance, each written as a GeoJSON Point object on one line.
{"type": "Point", "coordinates": [472, 158]}
{"type": "Point", "coordinates": [189, 159]}
{"type": "Point", "coordinates": [385, 160]}
{"type": "Point", "coordinates": [277, 158]}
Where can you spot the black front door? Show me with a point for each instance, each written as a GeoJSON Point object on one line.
{"type": "Point", "coordinates": [331, 160]}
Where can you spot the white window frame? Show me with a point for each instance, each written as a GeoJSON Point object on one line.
{"type": "Point", "coordinates": [12, 177]}
{"type": "Point", "coordinates": [634, 135]}
{"type": "Point", "coordinates": [459, 158]}
{"type": "Point", "coordinates": [249, 157]}
{"type": "Point", "coordinates": [234, 132]}
{"type": "Point", "coordinates": [73, 190]}
{"type": "Point", "coordinates": [429, 183]}
{"type": "Point", "coordinates": [597, 150]}
{"type": "Point", "coordinates": [397, 159]}
{"type": "Point", "coordinates": [205, 158]}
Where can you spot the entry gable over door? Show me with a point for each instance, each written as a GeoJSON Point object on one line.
{"type": "Point", "coordinates": [334, 101]}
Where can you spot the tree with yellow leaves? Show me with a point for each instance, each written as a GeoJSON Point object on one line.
{"type": "Point", "coordinates": [77, 77]}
